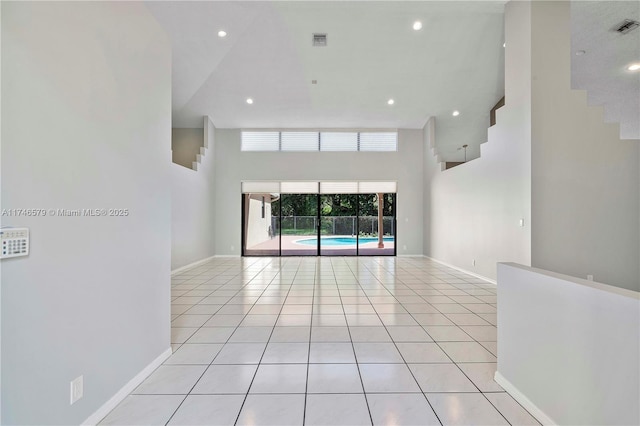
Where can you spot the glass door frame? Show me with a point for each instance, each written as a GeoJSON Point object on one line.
{"type": "Point", "coordinates": [394, 223]}
{"type": "Point", "coordinates": [316, 220]}
{"type": "Point", "coordinates": [318, 230]}
{"type": "Point", "coordinates": [356, 226]}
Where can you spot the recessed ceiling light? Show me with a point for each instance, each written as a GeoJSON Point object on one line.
{"type": "Point", "coordinates": [634, 67]}
{"type": "Point", "coordinates": [417, 25]}
{"type": "Point", "coordinates": [222, 33]}
{"type": "Point", "coordinates": [580, 52]}
{"type": "Point", "coordinates": [249, 101]}
{"type": "Point", "coordinates": [391, 102]}
{"type": "Point", "coordinates": [455, 113]}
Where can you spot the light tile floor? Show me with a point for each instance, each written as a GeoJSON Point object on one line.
{"type": "Point", "coordinates": [327, 341]}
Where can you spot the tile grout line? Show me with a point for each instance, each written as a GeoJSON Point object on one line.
{"type": "Point", "coordinates": [306, 384]}
{"type": "Point", "coordinates": [448, 356]}
{"type": "Point", "coordinates": [227, 341]}
{"type": "Point", "coordinates": [267, 342]}
{"type": "Point", "coordinates": [213, 291]}
{"type": "Point", "coordinates": [456, 363]}
{"type": "Point", "coordinates": [461, 370]}
{"type": "Point", "coordinates": [187, 395]}
{"type": "Point", "coordinates": [375, 285]}
{"type": "Point", "coordinates": [404, 361]}
{"type": "Point", "coordinates": [355, 357]}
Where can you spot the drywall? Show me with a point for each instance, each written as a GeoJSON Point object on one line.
{"type": "Point", "coordinates": [185, 145]}
{"type": "Point", "coordinates": [473, 211]}
{"type": "Point", "coordinates": [86, 113]}
{"type": "Point", "coordinates": [193, 205]}
{"type": "Point", "coordinates": [584, 178]}
{"type": "Point", "coordinates": [0, 220]}
{"type": "Point", "coordinates": [233, 166]}
{"type": "Point", "coordinates": [581, 350]}
{"type": "Point", "coordinates": [431, 164]}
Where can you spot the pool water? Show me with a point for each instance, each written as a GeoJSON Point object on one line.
{"type": "Point", "coordinates": [341, 241]}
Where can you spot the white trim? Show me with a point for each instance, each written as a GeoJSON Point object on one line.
{"type": "Point", "coordinates": [409, 255]}
{"type": "Point", "coordinates": [191, 265]}
{"type": "Point", "coordinates": [227, 255]}
{"type": "Point", "coordinates": [526, 403]}
{"type": "Point", "coordinates": [489, 280]}
{"type": "Point", "coordinates": [106, 408]}
{"type": "Point", "coordinates": [577, 280]}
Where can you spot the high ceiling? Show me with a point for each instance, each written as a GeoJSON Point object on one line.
{"type": "Point", "coordinates": [601, 69]}
{"type": "Point", "coordinates": [455, 62]}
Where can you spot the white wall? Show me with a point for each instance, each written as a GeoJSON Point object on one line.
{"type": "Point", "coordinates": [568, 349]}
{"type": "Point", "coordinates": [584, 178]}
{"type": "Point", "coordinates": [86, 113]}
{"type": "Point", "coordinates": [0, 219]}
{"type": "Point", "coordinates": [185, 145]}
{"type": "Point", "coordinates": [193, 206]}
{"type": "Point", "coordinates": [233, 166]}
{"type": "Point", "coordinates": [473, 211]}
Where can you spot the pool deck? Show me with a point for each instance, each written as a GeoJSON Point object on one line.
{"type": "Point", "coordinates": [291, 248]}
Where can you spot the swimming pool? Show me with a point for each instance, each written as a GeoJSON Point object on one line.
{"type": "Point", "coordinates": [341, 241]}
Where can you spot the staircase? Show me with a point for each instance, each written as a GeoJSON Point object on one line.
{"type": "Point", "coordinates": [189, 146]}
{"type": "Point", "coordinates": [492, 121]}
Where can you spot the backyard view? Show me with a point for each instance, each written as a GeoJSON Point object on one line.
{"type": "Point", "coordinates": [348, 224]}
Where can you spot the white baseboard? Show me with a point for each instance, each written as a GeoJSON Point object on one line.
{"type": "Point", "coordinates": [226, 255]}
{"type": "Point", "coordinates": [533, 409]}
{"type": "Point", "coordinates": [191, 265]}
{"type": "Point", "coordinates": [106, 408]}
{"type": "Point", "coordinates": [483, 278]}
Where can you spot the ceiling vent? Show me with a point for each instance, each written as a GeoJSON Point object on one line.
{"type": "Point", "coordinates": [626, 26]}
{"type": "Point", "coordinates": [320, 40]}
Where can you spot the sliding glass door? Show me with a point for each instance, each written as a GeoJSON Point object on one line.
{"type": "Point", "coordinates": [338, 224]}
{"type": "Point", "coordinates": [376, 224]}
{"type": "Point", "coordinates": [299, 225]}
{"type": "Point", "coordinates": [261, 224]}
{"type": "Point", "coordinates": [318, 218]}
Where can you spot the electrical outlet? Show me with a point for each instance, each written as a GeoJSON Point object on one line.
{"type": "Point", "coordinates": [404, 247]}
{"type": "Point", "coordinates": [77, 389]}
{"type": "Point", "coordinates": [590, 277]}
{"type": "Point", "coordinates": [233, 248]}
{"type": "Point", "coordinates": [473, 262]}
{"type": "Point", "coordinates": [521, 222]}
